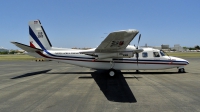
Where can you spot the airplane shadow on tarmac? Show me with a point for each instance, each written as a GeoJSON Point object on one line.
{"type": "Point", "coordinates": [114, 88]}
{"type": "Point", "coordinates": [31, 74]}
{"type": "Point", "coordinates": [151, 73]}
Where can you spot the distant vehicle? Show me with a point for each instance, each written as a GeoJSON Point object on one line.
{"type": "Point", "coordinates": [114, 52]}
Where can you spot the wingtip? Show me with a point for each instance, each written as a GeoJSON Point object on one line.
{"type": "Point", "coordinates": [128, 31]}
{"type": "Point", "coordinates": [12, 42]}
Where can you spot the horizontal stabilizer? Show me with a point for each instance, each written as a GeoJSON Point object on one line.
{"type": "Point", "coordinates": [26, 47]}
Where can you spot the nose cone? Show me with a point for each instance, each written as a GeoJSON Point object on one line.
{"type": "Point", "coordinates": [179, 60]}
{"type": "Point", "coordinates": [187, 62]}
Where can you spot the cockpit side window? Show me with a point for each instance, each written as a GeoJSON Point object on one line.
{"type": "Point", "coordinates": [144, 54]}
{"type": "Point", "coordinates": [156, 54]}
{"type": "Point", "coordinates": [162, 53]}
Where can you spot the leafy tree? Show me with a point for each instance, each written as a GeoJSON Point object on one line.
{"type": "Point", "coordinates": [13, 52]}
{"type": "Point", "coordinates": [192, 48]}
{"type": "Point", "coordinates": [196, 47]}
{"type": "Point", "coordinates": [4, 52]}
{"type": "Point", "coordinates": [185, 48]}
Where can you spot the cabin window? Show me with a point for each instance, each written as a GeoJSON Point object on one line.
{"type": "Point", "coordinates": [125, 54]}
{"type": "Point", "coordinates": [144, 54]}
{"type": "Point", "coordinates": [156, 54]}
{"type": "Point", "coordinates": [162, 53]}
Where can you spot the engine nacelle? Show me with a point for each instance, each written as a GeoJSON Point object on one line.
{"type": "Point", "coordinates": [115, 55]}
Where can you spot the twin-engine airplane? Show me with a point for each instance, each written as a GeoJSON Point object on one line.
{"type": "Point", "coordinates": [114, 52]}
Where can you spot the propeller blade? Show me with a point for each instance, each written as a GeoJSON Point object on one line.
{"type": "Point", "coordinates": [137, 55]}
{"type": "Point", "coordinates": [138, 40]}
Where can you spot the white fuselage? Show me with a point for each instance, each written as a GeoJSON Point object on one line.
{"type": "Point", "coordinates": [146, 61]}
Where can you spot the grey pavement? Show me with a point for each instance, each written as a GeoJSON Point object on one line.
{"type": "Point", "coordinates": [28, 86]}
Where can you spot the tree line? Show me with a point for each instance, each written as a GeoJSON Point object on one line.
{"type": "Point", "coordinates": [197, 47]}
{"type": "Point", "coordinates": [7, 52]}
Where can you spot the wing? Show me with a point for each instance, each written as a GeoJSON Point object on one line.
{"type": "Point", "coordinates": [116, 41]}
{"type": "Point", "coordinates": [26, 48]}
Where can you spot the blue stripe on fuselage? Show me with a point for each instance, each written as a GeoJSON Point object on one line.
{"type": "Point", "coordinates": [150, 60]}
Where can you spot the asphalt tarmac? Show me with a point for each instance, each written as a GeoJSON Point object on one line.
{"type": "Point", "coordinates": [28, 86]}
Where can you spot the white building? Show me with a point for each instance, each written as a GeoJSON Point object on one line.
{"type": "Point", "coordinates": [164, 46]}
{"type": "Point", "coordinates": [157, 47]}
{"type": "Point", "coordinates": [178, 48]}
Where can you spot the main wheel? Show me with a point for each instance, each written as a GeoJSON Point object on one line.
{"type": "Point", "coordinates": [111, 72]}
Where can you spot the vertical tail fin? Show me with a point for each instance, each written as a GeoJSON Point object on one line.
{"type": "Point", "coordinates": [38, 37]}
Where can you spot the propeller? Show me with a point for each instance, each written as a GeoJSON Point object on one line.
{"type": "Point", "coordinates": [137, 55]}
{"type": "Point", "coordinates": [138, 41]}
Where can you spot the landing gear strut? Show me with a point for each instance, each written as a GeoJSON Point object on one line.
{"type": "Point", "coordinates": [111, 70]}
{"type": "Point", "coordinates": [137, 71]}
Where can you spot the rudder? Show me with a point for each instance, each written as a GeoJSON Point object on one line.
{"type": "Point", "coordinates": [38, 36]}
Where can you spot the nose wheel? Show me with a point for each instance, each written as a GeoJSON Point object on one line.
{"type": "Point", "coordinates": [181, 70]}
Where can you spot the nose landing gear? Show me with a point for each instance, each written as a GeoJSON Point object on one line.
{"type": "Point", "coordinates": [181, 70]}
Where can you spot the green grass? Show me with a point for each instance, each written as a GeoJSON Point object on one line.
{"type": "Point", "coordinates": [15, 57]}
{"type": "Point", "coordinates": [185, 54]}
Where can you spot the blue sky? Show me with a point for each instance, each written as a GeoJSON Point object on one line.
{"type": "Point", "coordinates": [86, 23]}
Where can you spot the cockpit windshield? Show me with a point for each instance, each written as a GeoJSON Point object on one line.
{"type": "Point", "coordinates": [162, 53]}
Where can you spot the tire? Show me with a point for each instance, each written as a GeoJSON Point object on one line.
{"type": "Point", "coordinates": [182, 70]}
{"type": "Point", "coordinates": [111, 72]}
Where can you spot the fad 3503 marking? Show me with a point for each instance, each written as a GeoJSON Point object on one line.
{"type": "Point", "coordinates": [40, 35]}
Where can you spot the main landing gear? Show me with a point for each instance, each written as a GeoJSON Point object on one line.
{"type": "Point", "coordinates": [112, 72]}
